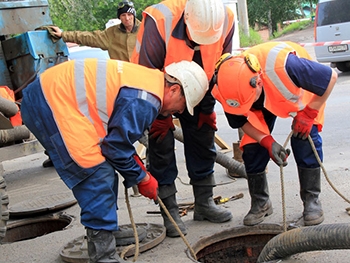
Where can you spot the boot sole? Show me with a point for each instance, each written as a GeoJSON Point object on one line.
{"type": "Point", "coordinates": [258, 220]}
{"type": "Point", "coordinates": [314, 222]}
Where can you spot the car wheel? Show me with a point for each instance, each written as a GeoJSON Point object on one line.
{"type": "Point", "coordinates": [343, 66]}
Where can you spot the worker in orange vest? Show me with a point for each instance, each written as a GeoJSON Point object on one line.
{"type": "Point", "coordinates": [270, 80]}
{"type": "Point", "coordinates": [200, 31]}
{"type": "Point", "coordinates": [88, 114]}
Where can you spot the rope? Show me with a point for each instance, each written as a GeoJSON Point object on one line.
{"type": "Point", "coordinates": [323, 170]}
{"type": "Point", "coordinates": [177, 228]}
{"type": "Point", "coordinates": [137, 247]}
{"type": "Point", "coordinates": [135, 231]}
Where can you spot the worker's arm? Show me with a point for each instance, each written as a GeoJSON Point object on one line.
{"type": "Point", "coordinates": [130, 118]}
{"type": "Point", "coordinates": [92, 39]}
{"type": "Point", "coordinates": [152, 50]}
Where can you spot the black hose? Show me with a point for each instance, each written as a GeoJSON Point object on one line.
{"type": "Point", "coordinates": [321, 237]}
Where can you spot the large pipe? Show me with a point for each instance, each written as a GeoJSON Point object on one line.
{"type": "Point", "coordinates": [304, 239]}
{"type": "Point", "coordinates": [11, 135]}
{"type": "Point", "coordinates": [7, 107]}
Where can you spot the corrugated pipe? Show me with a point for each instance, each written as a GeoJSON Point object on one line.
{"type": "Point", "coordinates": [15, 134]}
{"type": "Point", "coordinates": [304, 239]}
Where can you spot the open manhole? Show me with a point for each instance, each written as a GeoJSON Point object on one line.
{"type": "Point", "coordinates": [34, 227]}
{"type": "Point", "coordinates": [235, 245]}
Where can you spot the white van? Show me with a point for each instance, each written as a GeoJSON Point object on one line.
{"type": "Point", "coordinates": [332, 23]}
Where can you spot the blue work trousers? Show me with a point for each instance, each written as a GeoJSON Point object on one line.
{"type": "Point", "coordinates": [256, 157]}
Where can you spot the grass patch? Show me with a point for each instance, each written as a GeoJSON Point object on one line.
{"type": "Point", "coordinates": [293, 27]}
{"type": "Point", "coordinates": [253, 39]}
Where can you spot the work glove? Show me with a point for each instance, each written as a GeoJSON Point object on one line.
{"type": "Point", "coordinates": [209, 119]}
{"type": "Point", "coordinates": [160, 127]}
{"type": "Point", "coordinates": [303, 121]}
{"type": "Point", "coordinates": [147, 188]}
{"type": "Point", "coordinates": [277, 153]}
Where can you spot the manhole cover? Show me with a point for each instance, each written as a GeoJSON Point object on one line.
{"type": "Point", "coordinates": [76, 250]}
{"type": "Point", "coordinates": [42, 204]}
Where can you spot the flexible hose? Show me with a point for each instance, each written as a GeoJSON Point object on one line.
{"type": "Point", "coordinates": [321, 237]}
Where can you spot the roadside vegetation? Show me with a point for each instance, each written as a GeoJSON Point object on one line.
{"type": "Point", "coordinates": [255, 38]}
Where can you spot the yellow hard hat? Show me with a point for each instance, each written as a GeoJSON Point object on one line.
{"type": "Point", "coordinates": [235, 78]}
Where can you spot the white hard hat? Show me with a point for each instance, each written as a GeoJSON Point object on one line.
{"type": "Point", "coordinates": [205, 20]}
{"type": "Point", "coordinates": [193, 79]}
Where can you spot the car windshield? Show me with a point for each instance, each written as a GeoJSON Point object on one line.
{"type": "Point", "coordinates": [333, 12]}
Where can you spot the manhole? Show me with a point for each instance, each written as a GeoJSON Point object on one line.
{"type": "Point", "coordinates": [76, 250]}
{"type": "Point", "coordinates": [235, 245]}
{"type": "Point", "coordinates": [25, 229]}
{"type": "Point", "coordinates": [42, 204]}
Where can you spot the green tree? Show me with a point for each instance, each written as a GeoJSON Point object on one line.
{"type": "Point", "coordinates": [271, 12]}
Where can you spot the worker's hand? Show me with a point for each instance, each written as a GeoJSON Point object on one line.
{"type": "Point", "coordinates": [303, 121]}
{"type": "Point", "coordinates": [160, 128]}
{"type": "Point", "coordinates": [209, 119]}
{"type": "Point", "coordinates": [56, 31]}
{"type": "Point", "coordinates": [277, 153]}
{"type": "Point", "coordinates": [148, 187]}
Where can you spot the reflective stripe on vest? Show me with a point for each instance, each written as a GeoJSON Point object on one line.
{"type": "Point", "coordinates": [81, 95]}
{"type": "Point", "coordinates": [282, 97]}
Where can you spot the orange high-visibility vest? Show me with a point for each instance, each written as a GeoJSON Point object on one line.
{"type": "Point", "coordinates": [282, 97]}
{"type": "Point", "coordinates": [81, 95]}
{"type": "Point", "coordinates": [167, 14]}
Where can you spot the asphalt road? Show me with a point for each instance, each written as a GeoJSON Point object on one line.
{"type": "Point", "coordinates": [26, 179]}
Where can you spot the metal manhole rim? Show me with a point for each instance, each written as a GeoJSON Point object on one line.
{"type": "Point", "coordinates": [232, 232]}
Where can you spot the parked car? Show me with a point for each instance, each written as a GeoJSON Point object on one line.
{"type": "Point", "coordinates": [80, 52]}
{"type": "Point", "coordinates": [332, 23]}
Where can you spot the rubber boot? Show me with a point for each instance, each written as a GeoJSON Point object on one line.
{"type": "Point", "coordinates": [204, 205]}
{"type": "Point", "coordinates": [167, 194]}
{"type": "Point", "coordinates": [101, 247]}
{"type": "Point", "coordinates": [260, 202]}
{"type": "Point", "coordinates": [126, 236]}
{"type": "Point", "coordinates": [310, 188]}
{"type": "Point", "coordinates": [48, 161]}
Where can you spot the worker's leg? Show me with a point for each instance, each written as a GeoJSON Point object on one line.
{"type": "Point", "coordinates": [167, 194]}
{"type": "Point", "coordinates": [200, 156]}
{"type": "Point", "coordinates": [309, 176]}
{"type": "Point", "coordinates": [162, 165]}
{"type": "Point", "coordinates": [255, 160]}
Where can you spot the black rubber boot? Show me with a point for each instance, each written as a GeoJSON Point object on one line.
{"type": "Point", "coordinates": [310, 188]}
{"type": "Point", "coordinates": [126, 236]}
{"type": "Point", "coordinates": [260, 202]}
{"type": "Point", "coordinates": [167, 194]}
{"type": "Point", "coordinates": [101, 247]}
{"type": "Point", "coordinates": [47, 162]}
{"type": "Point", "coordinates": [204, 205]}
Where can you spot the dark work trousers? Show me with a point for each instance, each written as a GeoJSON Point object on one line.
{"type": "Point", "coordinates": [200, 152]}
{"type": "Point", "coordinates": [95, 188]}
{"type": "Point", "coordinates": [256, 157]}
